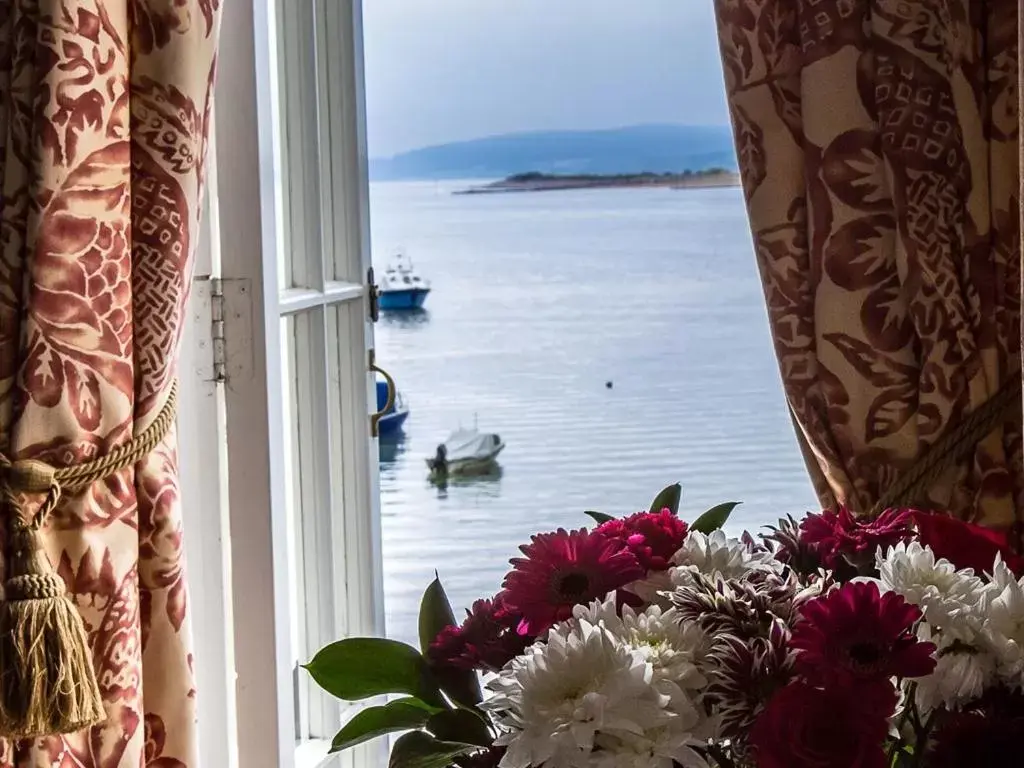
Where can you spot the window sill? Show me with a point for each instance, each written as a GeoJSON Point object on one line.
{"type": "Point", "coordinates": [314, 753]}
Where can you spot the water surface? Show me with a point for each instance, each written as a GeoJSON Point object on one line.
{"type": "Point", "coordinates": [539, 300]}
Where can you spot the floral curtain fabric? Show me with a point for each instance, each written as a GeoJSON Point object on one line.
{"type": "Point", "coordinates": [104, 112]}
{"type": "Point", "coordinates": [878, 143]}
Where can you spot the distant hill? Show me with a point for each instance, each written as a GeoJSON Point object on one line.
{"type": "Point", "coordinates": [654, 148]}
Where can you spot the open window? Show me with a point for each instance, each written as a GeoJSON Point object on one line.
{"type": "Point", "coordinates": [278, 459]}
{"type": "Point", "coordinates": [279, 464]}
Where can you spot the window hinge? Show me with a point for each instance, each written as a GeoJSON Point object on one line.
{"type": "Point", "coordinates": [220, 358]}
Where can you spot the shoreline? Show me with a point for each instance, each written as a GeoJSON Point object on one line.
{"type": "Point", "coordinates": [554, 183]}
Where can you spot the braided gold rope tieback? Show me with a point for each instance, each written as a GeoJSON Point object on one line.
{"type": "Point", "coordinates": [952, 446]}
{"type": "Point", "coordinates": [47, 682]}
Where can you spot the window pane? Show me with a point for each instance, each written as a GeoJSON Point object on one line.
{"type": "Point", "coordinates": [309, 507]}
{"type": "Point", "coordinates": [343, 147]}
{"type": "Point", "coordinates": [293, 512]}
{"type": "Point", "coordinates": [357, 538]}
{"type": "Point", "coordinates": [300, 162]}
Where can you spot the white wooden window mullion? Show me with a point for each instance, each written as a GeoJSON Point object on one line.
{"type": "Point", "coordinates": [318, 487]}
{"type": "Point", "coordinates": [344, 123]}
{"type": "Point", "coordinates": [325, 204]}
{"type": "Point", "coordinates": [203, 465]}
{"type": "Point", "coordinates": [250, 210]}
{"type": "Point", "coordinates": [300, 161]}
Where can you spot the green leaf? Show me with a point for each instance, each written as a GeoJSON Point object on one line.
{"type": "Point", "coordinates": [714, 518]}
{"type": "Point", "coordinates": [599, 517]}
{"type": "Point", "coordinates": [421, 750]}
{"type": "Point", "coordinates": [361, 667]}
{"type": "Point", "coordinates": [435, 613]}
{"type": "Point", "coordinates": [901, 755]}
{"type": "Point", "coordinates": [668, 499]}
{"type": "Point", "coordinates": [462, 685]}
{"type": "Point", "coordinates": [398, 715]}
{"type": "Point", "coordinates": [460, 725]}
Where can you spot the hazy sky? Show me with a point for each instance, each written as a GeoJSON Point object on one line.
{"type": "Point", "coordinates": [444, 70]}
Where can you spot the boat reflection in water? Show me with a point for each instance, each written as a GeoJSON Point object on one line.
{"type": "Point", "coordinates": [488, 482]}
{"type": "Point", "coordinates": [410, 318]}
{"type": "Point", "coordinates": [391, 448]}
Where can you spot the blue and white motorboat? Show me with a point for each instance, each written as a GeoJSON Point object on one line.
{"type": "Point", "coordinates": [392, 419]}
{"type": "Point", "coordinates": [402, 287]}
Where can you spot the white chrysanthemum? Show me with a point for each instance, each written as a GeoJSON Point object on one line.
{"type": "Point", "coordinates": [1005, 625]}
{"type": "Point", "coordinates": [954, 601]}
{"type": "Point", "coordinates": [718, 554]}
{"type": "Point", "coordinates": [585, 689]}
{"type": "Point", "coordinates": [654, 589]}
{"type": "Point", "coordinates": [962, 672]}
{"type": "Point", "coordinates": [710, 555]}
{"type": "Point", "coordinates": [674, 648]}
{"type": "Point", "coordinates": [657, 748]}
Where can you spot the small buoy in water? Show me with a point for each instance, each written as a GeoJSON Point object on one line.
{"type": "Point", "coordinates": [608, 385]}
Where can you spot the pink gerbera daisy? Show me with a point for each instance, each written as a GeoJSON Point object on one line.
{"type": "Point", "coordinates": [652, 536]}
{"type": "Point", "coordinates": [561, 570]}
{"type": "Point", "coordinates": [856, 635]}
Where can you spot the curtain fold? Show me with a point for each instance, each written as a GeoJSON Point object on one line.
{"type": "Point", "coordinates": [878, 144]}
{"type": "Point", "coordinates": [104, 112]}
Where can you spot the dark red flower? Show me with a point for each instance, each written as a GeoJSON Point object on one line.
{"type": "Point", "coordinates": [966, 545]}
{"type": "Point", "coordinates": [839, 536]}
{"type": "Point", "coordinates": [652, 536]}
{"type": "Point", "coordinates": [855, 635]}
{"type": "Point", "coordinates": [807, 727]}
{"type": "Point", "coordinates": [561, 570]}
{"type": "Point", "coordinates": [972, 739]}
{"type": "Point", "coordinates": [988, 733]}
{"type": "Point", "coordinates": [487, 639]}
{"type": "Point", "coordinates": [787, 542]}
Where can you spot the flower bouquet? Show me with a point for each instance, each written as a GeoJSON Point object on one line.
{"type": "Point", "coordinates": [648, 642]}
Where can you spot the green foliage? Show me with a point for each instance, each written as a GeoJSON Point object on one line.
{"type": "Point", "coordinates": [714, 518]}
{"type": "Point", "coordinates": [398, 715]}
{"type": "Point", "coordinates": [435, 613]}
{"type": "Point", "coordinates": [599, 517]}
{"type": "Point", "coordinates": [668, 499]}
{"type": "Point", "coordinates": [462, 685]}
{"type": "Point", "coordinates": [362, 667]}
{"type": "Point", "coordinates": [461, 725]}
{"type": "Point", "coordinates": [421, 750]}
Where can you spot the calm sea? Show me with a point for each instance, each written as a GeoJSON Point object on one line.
{"type": "Point", "coordinates": [539, 300]}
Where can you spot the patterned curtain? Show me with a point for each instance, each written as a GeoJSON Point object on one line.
{"type": "Point", "coordinates": [878, 143]}
{"type": "Point", "coordinates": [104, 112]}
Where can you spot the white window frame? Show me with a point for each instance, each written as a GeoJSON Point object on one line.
{"type": "Point", "coordinates": [281, 182]}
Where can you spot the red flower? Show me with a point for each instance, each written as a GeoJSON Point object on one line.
{"type": "Point", "coordinates": [561, 570]}
{"type": "Point", "coordinates": [972, 739]}
{"type": "Point", "coordinates": [486, 640]}
{"type": "Point", "coordinates": [839, 536]}
{"type": "Point", "coordinates": [855, 635]}
{"type": "Point", "coordinates": [652, 536]}
{"type": "Point", "coordinates": [807, 727]}
{"type": "Point", "coordinates": [966, 545]}
{"type": "Point", "coordinates": [985, 735]}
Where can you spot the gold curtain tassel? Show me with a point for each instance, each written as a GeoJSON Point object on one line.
{"type": "Point", "coordinates": [47, 681]}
